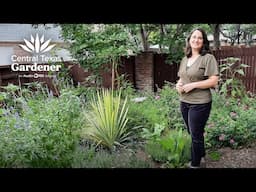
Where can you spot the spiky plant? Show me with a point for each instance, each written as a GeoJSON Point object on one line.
{"type": "Point", "coordinates": [108, 119]}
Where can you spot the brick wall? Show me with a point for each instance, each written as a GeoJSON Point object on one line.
{"type": "Point", "coordinates": [144, 70]}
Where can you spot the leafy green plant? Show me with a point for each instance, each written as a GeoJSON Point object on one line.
{"type": "Point", "coordinates": [214, 155]}
{"type": "Point", "coordinates": [108, 119]}
{"type": "Point", "coordinates": [173, 148]}
{"type": "Point", "coordinates": [87, 157]}
{"type": "Point", "coordinates": [178, 144]}
{"type": "Point", "coordinates": [43, 133]}
{"type": "Point", "coordinates": [231, 123]}
{"type": "Point", "coordinates": [230, 82]}
{"type": "Point", "coordinates": [156, 134]}
{"type": "Point", "coordinates": [156, 151]}
{"type": "Point", "coordinates": [9, 96]}
{"type": "Point", "coordinates": [170, 105]}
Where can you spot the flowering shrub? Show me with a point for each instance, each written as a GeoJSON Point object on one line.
{"type": "Point", "coordinates": [232, 123]}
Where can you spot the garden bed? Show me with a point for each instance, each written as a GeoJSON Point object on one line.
{"type": "Point", "coordinates": [233, 158]}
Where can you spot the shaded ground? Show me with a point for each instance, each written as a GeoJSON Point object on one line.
{"type": "Point", "coordinates": [223, 158]}
{"type": "Point", "coordinates": [233, 158]}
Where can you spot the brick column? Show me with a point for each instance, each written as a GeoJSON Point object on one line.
{"type": "Point", "coordinates": [144, 68]}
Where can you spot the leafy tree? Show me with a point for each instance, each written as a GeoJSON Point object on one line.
{"type": "Point", "coordinates": [169, 37]}
{"type": "Point", "coordinates": [95, 45]}
{"type": "Point", "coordinates": [239, 33]}
{"type": "Point", "coordinates": [172, 37]}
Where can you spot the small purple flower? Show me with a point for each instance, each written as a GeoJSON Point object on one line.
{"type": "Point", "coordinates": [232, 141]}
{"type": "Point", "coordinates": [222, 137]}
{"type": "Point", "coordinates": [157, 97]}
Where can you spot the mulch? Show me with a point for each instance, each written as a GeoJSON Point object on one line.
{"type": "Point", "coordinates": [233, 158]}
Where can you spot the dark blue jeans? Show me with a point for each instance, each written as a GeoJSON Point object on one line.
{"type": "Point", "coordinates": [195, 117]}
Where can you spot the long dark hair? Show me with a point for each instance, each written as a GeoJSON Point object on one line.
{"type": "Point", "coordinates": [206, 45]}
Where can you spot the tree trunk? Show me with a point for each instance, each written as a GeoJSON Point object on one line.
{"type": "Point", "coordinates": [162, 33]}
{"type": "Point", "coordinates": [144, 38]}
{"type": "Point", "coordinates": [216, 36]}
{"type": "Point", "coordinates": [238, 28]}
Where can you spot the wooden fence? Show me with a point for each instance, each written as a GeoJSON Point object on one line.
{"type": "Point", "coordinates": [246, 56]}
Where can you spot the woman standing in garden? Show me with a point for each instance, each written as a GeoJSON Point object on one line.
{"type": "Point", "coordinates": [198, 72]}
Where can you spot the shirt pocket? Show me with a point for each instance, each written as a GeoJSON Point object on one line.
{"type": "Point", "coordinates": [198, 74]}
{"type": "Point", "coordinates": [201, 73]}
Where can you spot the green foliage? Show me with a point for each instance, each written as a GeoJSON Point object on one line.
{"type": "Point", "coordinates": [178, 144]}
{"type": "Point", "coordinates": [156, 134]}
{"type": "Point", "coordinates": [156, 151]}
{"type": "Point", "coordinates": [88, 157]}
{"type": "Point", "coordinates": [176, 41]}
{"type": "Point", "coordinates": [231, 122]}
{"type": "Point", "coordinates": [126, 87]}
{"type": "Point", "coordinates": [214, 155]}
{"type": "Point", "coordinates": [168, 99]}
{"type": "Point", "coordinates": [159, 109]}
{"type": "Point", "coordinates": [174, 148]}
{"type": "Point", "coordinates": [97, 45]}
{"type": "Point", "coordinates": [230, 83]}
{"type": "Point", "coordinates": [205, 27]}
{"type": "Point", "coordinates": [16, 97]}
{"type": "Point", "coordinates": [169, 37]}
{"type": "Point", "coordinates": [42, 133]}
{"type": "Point", "coordinates": [147, 113]}
{"type": "Point", "coordinates": [9, 97]}
{"type": "Point", "coordinates": [63, 78]}
{"type": "Point", "coordinates": [239, 33]}
{"type": "Point", "coordinates": [108, 119]}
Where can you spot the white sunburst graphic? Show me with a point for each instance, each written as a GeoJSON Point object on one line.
{"type": "Point", "coordinates": [37, 45]}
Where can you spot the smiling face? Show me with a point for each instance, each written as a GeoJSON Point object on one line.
{"type": "Point", "coordinates": [196, 40]}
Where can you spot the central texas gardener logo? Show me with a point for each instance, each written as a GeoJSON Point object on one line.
{"type": "Point", "coordinates": [37, 46]}
{"type": "Point", "coordinates": [38, 61]}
